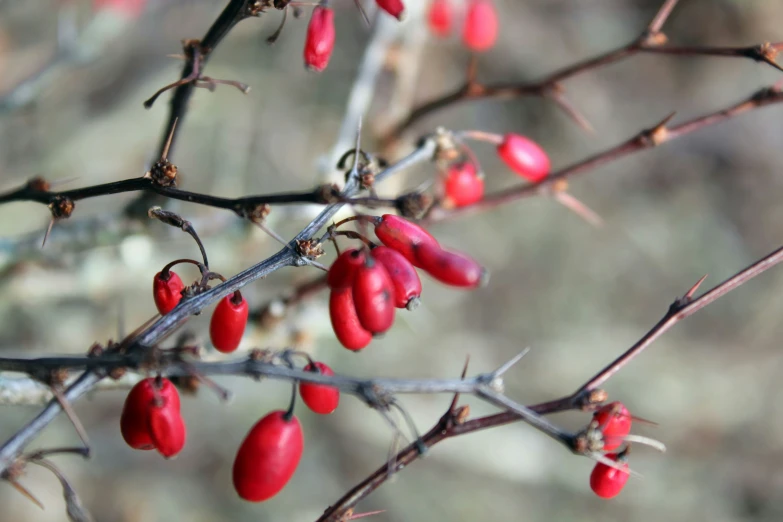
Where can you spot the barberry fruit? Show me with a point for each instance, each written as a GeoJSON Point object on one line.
{"type": "Point", "coordinates": [228, 322]}
{"type": "Point", "coordinates": [167, 291]}
{"type": "Point", "coordinates": [439, 17]}
{"type": "Point", "coordinates": [319, 42]}
{"type": "Point", "coordinates": [463, 185]}
{"type": "Point", "coordinates": [481, 25]}
{"type": "Point", "coordinates": [525, 157]}
{"type": "Point", "coordinates": [614, 420]}
{"type": "Point", "coordinates": [403, 236]}
{"type": "Point", "coordinates": [407, 285]}
{"type": "Point", "coordinates": [268, 457]}
{"type": "Point", "coordinates": [606, 481]}
{"type": "Point", "coordinates": [373, 296]}
{"type": "Point", "coordinates": [167, 429]}
{"type": "Point", "coordinates": [451, 268]}
{"type": "Point", "coordinates": [319, 398]}
{"type": "Point", "coordinates": [394, 7]}
{"type": "Point", "coordinates": [345, 321]}
{"type": "Point", "coordinates": [148, 399]}
{"type": "Point", "coordinates": [343, 271]}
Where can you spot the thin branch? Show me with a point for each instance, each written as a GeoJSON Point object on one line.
{"type": "Point", "coordinates": [164, 326]}
{"type": "Point", "coordinates": [645, 139]}
{"type": "Point", "coordinates": [652, 40]}
{"type": "Point", "coordinates": [452, 425]}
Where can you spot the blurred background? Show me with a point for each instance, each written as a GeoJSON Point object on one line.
{"type": "Point", "coordinates": [73, 76]}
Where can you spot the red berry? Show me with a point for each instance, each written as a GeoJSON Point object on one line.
{"type": "Point", "coordinates": [525, 157]}
{"type": "Point", "coordinates": [614, 420]}
{"type": "Point", "coordinates": [345, 322]}
{"type": "Point", "coordinates": [343, 270]}
{"type": "Point", "coordinates": [451, 268]}
{"type": "Point", "coordinates": [167, 291]}
{"type": "Point", "coordinates": [481, 25]}
{"type": "Point", "coordinates": [167, 429]}
{"type": "Point", "coordinates": [403, 236]}
{"type": "Point", "coordinates": [439, 17]}
{"type": "Point", "coordinates": [268, 457]}
{"type": "Point", "coordinates": [463, 185]}
{"type": "Point", "coordinates": [407, 285]}
{"type": "Point", "coordinates": [134, 424]}
{"type": "Point", "coordinates": [394, 7]}
{"type": "Point", "coordinates": [228, 323]}
{"type": "Point", "coordinates": [319, 398]}
{"type": "Point", "coordinates": [319, 42]}
{"type": "Point", "coordinates": [129, 8]}
{"type": "Point", "coordinates": [606, 481]}
{"type": "Point", "coordinates": [373, 296]}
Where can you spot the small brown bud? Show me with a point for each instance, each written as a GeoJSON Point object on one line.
{"type": "Point", "coordinates": [414, 205]}
{"type": "Point", "coordinates": [311, 248]}
{"type": "Point", "coordinates": [258, 213]}
{"type": "Point", "coordinates": [462, 414]}
{"type": "Point", "coordinates": [61, 207]}
{"type": "Point", "coordinates": [164, 173]}
{"type": "Point", "coordinates": [96, 350]}
{"type": "Point", "coordinates": [328, 194]}
{"type": "Point", "coordinates": [117, 373]}
{"type": "Point", "coordinates": [39, 184]}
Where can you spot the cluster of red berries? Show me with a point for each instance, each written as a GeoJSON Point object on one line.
{"type": "Point", "coordinates": [319, 42]}
{"type": "Point", "coordinates": [614, 422]}
{"type": "Point", "coordinates": [480, 25]}
{"type": "Point", "coordinates": [366, 287]}
{"type": "Point", "coordinates": [228, 320]}
{"type": "Point", "coordinates": [463, 184]}
{"type": "Point", "coordinates": [269, 454]}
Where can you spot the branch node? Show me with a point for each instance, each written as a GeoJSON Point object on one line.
{"type": "Point", "coordinates": [164, 173]}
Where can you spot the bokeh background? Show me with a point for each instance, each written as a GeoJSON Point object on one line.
{"type": "Point", "coordinates": [577, 295]}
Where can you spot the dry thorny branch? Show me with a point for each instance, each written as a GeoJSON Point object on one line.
{"type": "Point", "coordinates": [142, 352]}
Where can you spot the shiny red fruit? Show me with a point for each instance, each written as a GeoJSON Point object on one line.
{"type": "Point", "coordinates": [268, 457]}
{"type": "Point", "coordinates": [319, 42]}
{"type": "Point", "coordinates": [606, 481]}
{"type": "Point", "coordinates": [167, 429]}
{"type": "Point", "coordinates": [481, 25]}
{"type": "Point", "coordinates": [319, 398]}
{"type": "Point", "coordinates": [394, 7]}
{"type": "Point", "coordinates": [373, 296]}
{"type": "Point", "coordinates": [407, 285]}
{"type": "Point", "coordinates": [463, 185]}
{"type": "Point", "coordinates": [345, 322]}
{"type": "Point", "coordinates": [134, 420]}
{"type": "Point", "coordinates": [403, 236]}
{"type": "Point", "coordinates": [228, 323]}
{"type": "Point", "coordinates": [451, 268]}
{"type": "Point", "coordinates": [167, 291]}
{"type": "Point", "coordinates": [343, 271]}
{"type": "Point", "coordinates": [440, 17]}
{"type": "Point", "coordinates": [525, 157]}
{"type": "Point", "coordinates": [614, 420]}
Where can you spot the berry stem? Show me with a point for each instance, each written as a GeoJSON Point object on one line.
{"type": "Point", "coordinates": [166, 272]}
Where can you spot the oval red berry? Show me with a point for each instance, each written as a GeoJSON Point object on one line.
{"type": "Point", "coordinates": [228, 323]}
{"type": "Point", "coordinates": [167, 429]}
{"type": "Point", "coordinates": [440, 17]}
{"type": "Point", "coordinates": [481, 25]}
{"type": "Point", "coordinates": [345, 322]}
{"type": "Point", "coordinates": [373, 296]}
{"type": "Point", "coordinates": [143, 396]}
{"type": "Point", "coordinates": [268, 457]}
{"type": "Point", "coordinates": [606, 481]}
{"type": "Point", "coordinates": [394, 7]}
{"type": "Point", "coordinates": [343, 271]}
{"type": "Point", "coordinates": [614, 420]}
{"type": "Point", "coordinates": [319, 42]}
{"type": "Point", "coordinates": [403, 236]}
{"type": "Point", "coordinates": [525, 157]}
{"type": "Point", "coordinates": [463, 185]}
{"type": "Point", "coordinates": [167, 292]}
{"type": "Point", "coordinates": [407, 285]}
{"type": "Point", "coordinates": [319, 398]}
{"type": "Point", "coordinates": [451, 268]}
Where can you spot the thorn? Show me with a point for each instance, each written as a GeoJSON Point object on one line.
{"type": "Point", "coordinates": [363, 12]}
{"type": "Point", "coordinates": [453, 406]}
{"type": "Point", "coordinates": [647, 441]}
{"type": "Point", "coordinates": [579, 208]}
{"type": "Point", "coordinates": [556, 93]}
{"type": "Point", "coordinates": [355, 167]}
{"type": "Point", "coordinates": [600, 457]}
{"type": "Point", "coordinates": [48, 231]}
{"type": "Point", "coordinates": [24, 491]}
{"type": "Point", "coordinates": [368, 514]}
{"type": "Point", "coordinates": [644, 421]}
{"type": "Point", "coordinates": [505, 367]}
{"type": "Point", "coordinates": [68, 409]}
{"type": "Point", "coordinates": [689, 294]}
{"type": "Point", "coordinates": [165, 154]}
